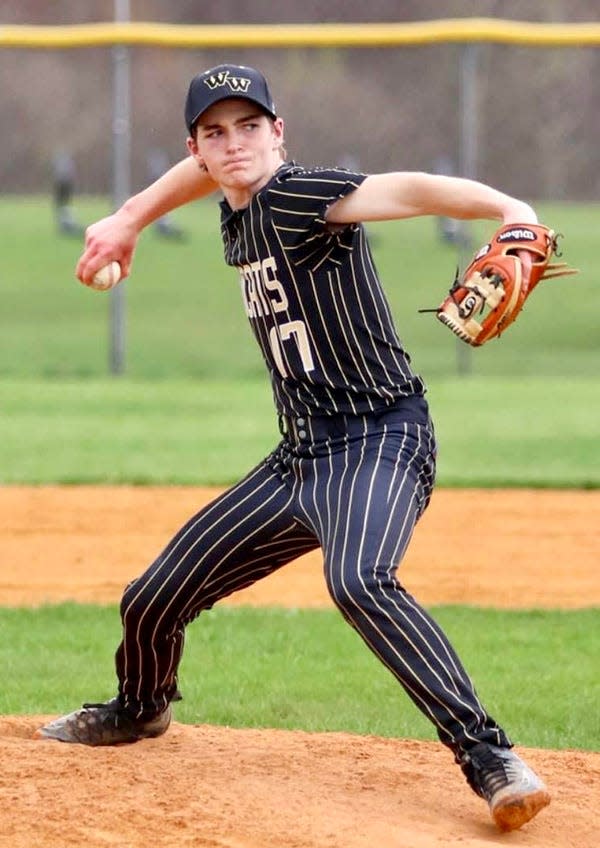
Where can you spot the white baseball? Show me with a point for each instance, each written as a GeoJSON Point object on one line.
{"type": "Point", "coordinates": [107, 277]}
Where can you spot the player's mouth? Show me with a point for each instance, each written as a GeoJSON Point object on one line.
{"type": "Point", "coordinates": [234, 164]}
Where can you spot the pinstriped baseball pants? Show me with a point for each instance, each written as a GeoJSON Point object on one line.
{"type": "Point", "coordinates": [353, 485]}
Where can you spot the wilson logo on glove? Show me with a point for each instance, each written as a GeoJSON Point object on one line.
{"type": "Point", "coordinates": [515, 235]}
{"type": "Point", "coordinates": [491, 292]}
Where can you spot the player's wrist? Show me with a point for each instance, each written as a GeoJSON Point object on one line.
{"type": "Point", "coordinates": [133, 216]}
{"type": "Point", "coordinates": [519, 213]}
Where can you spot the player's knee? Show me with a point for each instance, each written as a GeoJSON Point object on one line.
{"type": "Point", "coordinates": [130, 601]}
{"type": "Point", "coordinates": [138, 605]}
{"type": "Point", "coordinates": [362, 588]}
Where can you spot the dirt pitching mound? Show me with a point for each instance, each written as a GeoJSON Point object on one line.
{"type": "Point", "coordinates": [212, 787]}
{"type": "Point", "coordinates": [225, 788]}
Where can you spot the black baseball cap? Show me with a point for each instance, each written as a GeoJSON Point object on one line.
{"type": "Point", "coordinates": [222, 82]}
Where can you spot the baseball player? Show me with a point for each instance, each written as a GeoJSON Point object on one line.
{"type": "Point", "coordinates": [355, 466]}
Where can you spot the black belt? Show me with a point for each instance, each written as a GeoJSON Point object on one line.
{"type": "Point", "coordinates": [311, 428]}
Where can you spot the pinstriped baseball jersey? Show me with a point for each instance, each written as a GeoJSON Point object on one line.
{"type": "Point", "coordinates": [313, 297]}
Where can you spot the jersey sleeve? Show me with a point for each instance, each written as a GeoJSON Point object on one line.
{"type": "Point", "coordinates": [299, 200]}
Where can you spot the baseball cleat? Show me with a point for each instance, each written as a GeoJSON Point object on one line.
{"type": "Point", "coordinates": [104, 724]}
{"type": "Point", "coordinates": [514, 792]}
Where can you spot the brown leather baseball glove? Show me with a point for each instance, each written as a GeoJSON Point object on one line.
{"type": "Point", "coordinates": [490, 294]}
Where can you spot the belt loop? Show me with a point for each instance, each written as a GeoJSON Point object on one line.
{"type": "Point", "coordinates": [280, 421]}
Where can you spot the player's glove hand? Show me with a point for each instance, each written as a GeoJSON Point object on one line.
{"type": "Point", "coordinates": [489, 295]}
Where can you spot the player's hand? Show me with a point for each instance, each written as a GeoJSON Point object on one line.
{"type": "Point", "coordinates": [111, 238]}
{"type": "Point", "coordinates": [526, 259]}
{"type": "Point", "coordinates": [521, 213]}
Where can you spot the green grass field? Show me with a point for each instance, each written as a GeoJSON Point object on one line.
{"type": "Point", "coordinates": [307, 669]}
{"type": "Point", "coordinates": [492, 431]}
{"type": "Point", "coordinates": [194, 407]}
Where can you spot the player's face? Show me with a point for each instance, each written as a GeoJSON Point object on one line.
{"type": "Point", "coordinates": [239, 146]}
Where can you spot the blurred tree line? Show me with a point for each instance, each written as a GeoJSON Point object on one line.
{"type": "Point", "coordinates": [538, 108]}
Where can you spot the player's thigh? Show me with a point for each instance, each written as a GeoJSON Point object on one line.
{"type": "Point", "coordinates": [375, 498]}
{"type": "Point", "coordinates": [244, 534]}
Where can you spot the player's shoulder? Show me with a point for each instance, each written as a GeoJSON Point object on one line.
{"type": "Point", "coordinates": [294, 172]}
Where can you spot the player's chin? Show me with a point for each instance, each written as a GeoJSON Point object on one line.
{"type": "Point", "coordinates": [237, 180]}
{"type": "Point", "coordinates": [238, 183]}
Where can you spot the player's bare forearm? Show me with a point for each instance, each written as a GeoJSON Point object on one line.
{"type": "Point", "coordinates": [412, 194]}
{"type": "Point", "coordinates": [115, 237]}
{"type": "Point", "coordinates": [181, 184]}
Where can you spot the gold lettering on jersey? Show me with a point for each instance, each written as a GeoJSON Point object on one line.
{"type": "Point", "coordinates": [262, 291]}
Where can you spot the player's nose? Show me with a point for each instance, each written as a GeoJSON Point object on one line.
{"type": "Point", "coordinates": [235, 140]}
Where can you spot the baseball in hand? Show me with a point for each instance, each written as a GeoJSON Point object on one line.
{"type": "Point", "coordinates": [107, 277]}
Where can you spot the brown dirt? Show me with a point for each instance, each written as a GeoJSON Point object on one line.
{"type": "Point", "coordinates": [218, 787]}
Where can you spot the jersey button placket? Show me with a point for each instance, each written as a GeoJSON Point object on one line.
{"type": "Point", "coordinates": [301, 431]}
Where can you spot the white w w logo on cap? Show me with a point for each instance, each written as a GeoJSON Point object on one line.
{"type": "Point", "coordinates": [223, 78]}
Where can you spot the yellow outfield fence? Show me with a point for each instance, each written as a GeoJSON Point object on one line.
{"type": "Point", "coordinates": [461, 30]}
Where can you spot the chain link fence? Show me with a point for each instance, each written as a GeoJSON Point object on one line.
{"type": "Point", "coordinates": [383, 108]}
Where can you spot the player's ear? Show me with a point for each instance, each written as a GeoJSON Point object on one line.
{"type": "Point", "coordinates": [278, 131]}
{"type": "Point", "coordinates": [192, 147]}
